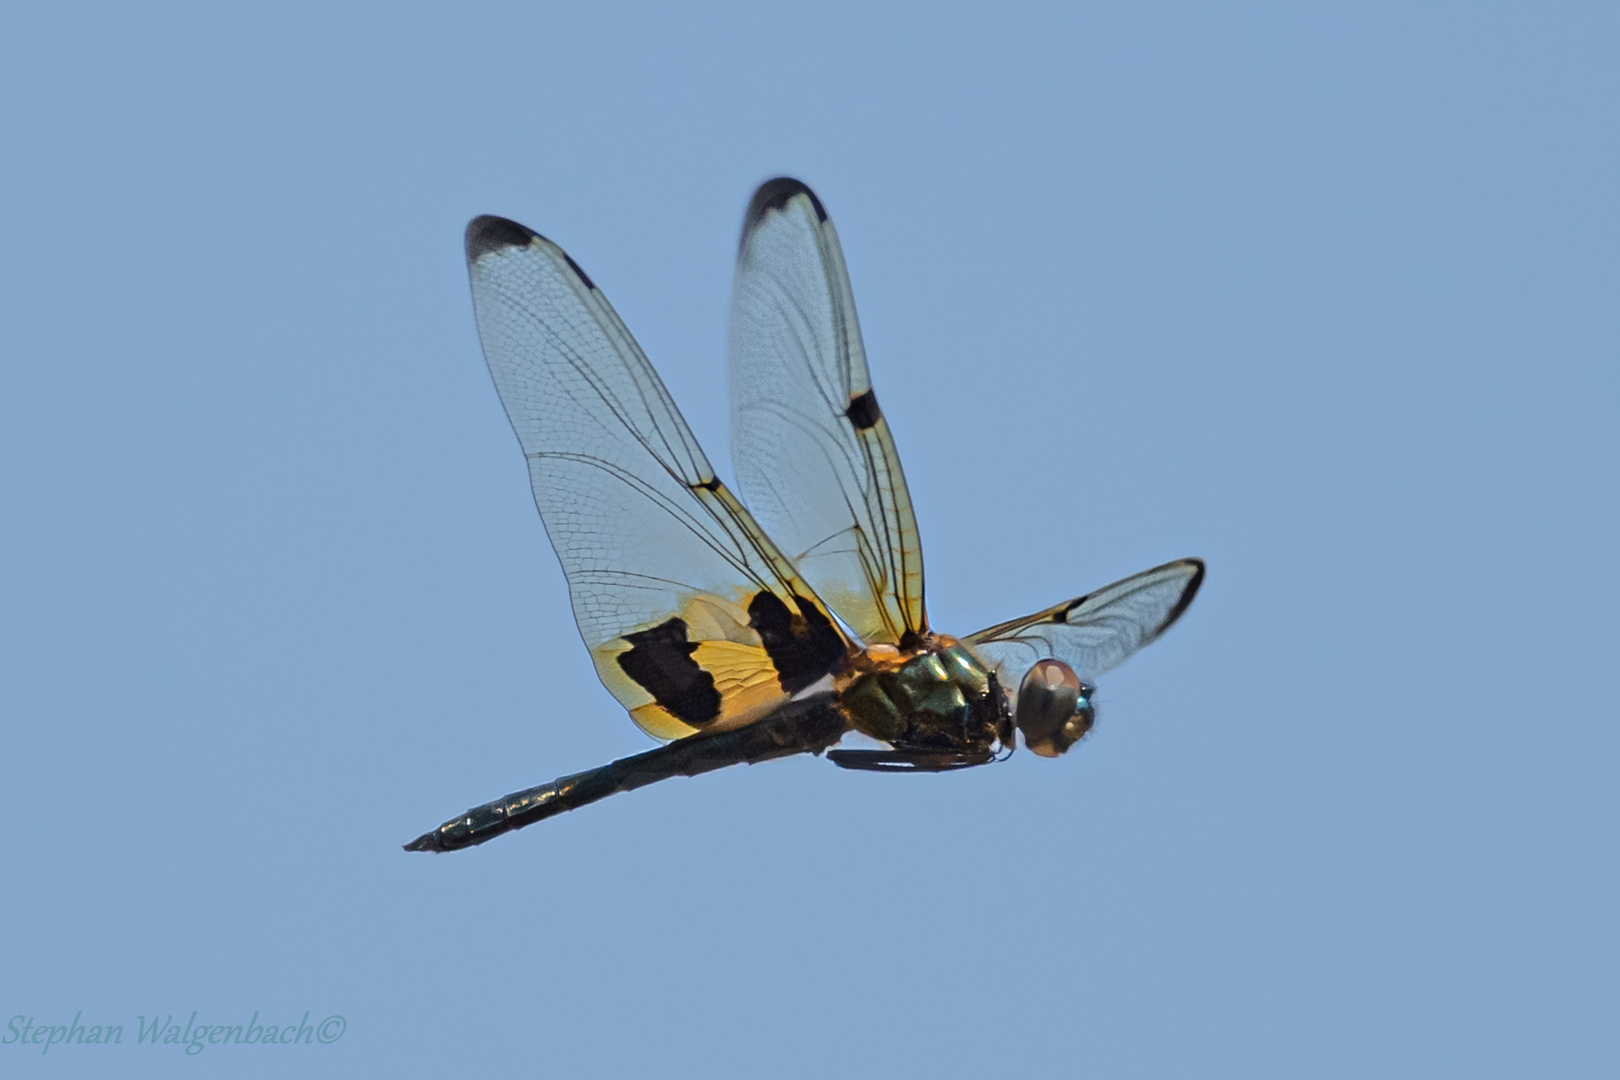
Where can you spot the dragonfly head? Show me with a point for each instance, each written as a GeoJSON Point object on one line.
{"type": "Point", "coordinates": [1054, 708]}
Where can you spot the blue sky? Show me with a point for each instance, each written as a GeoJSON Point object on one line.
{"type": "Point", "coordinates": [1325, 297]}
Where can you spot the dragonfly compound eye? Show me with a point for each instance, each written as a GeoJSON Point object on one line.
{"type": "Point", "coordinates": [1054, 708]}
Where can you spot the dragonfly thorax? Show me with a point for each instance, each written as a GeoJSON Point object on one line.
{"type": "Point", "coordinates": [937, 696]}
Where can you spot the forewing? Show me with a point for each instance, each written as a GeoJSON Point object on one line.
{"type": "Point", "coordinates": [1095, 632]}
{"type": "Point", "coordinates": [694, 619]}
{"type": "Point", "coordinates": [812, 451]}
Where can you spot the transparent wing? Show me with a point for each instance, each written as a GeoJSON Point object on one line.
{"type": "Point", "coordinates": [1096, 632]}
{"type": "Point", "coordinates": [693, 617]}
{"type": "Point", "coordinates": [812, 451]}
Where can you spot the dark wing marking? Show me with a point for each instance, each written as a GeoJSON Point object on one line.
{"type": "Point", "coordinates": [813, 453]}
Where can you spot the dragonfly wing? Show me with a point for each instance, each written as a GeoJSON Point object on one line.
{"type": "Point", "coordinates": [693, 617]}
{"type": "Point", "coordinates": [1092, 633]}
{"type": "Point", "coordinates": [812, 451]}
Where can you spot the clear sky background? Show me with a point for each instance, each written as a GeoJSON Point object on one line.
{"type": "Point", "coordinates": [1326, 297]}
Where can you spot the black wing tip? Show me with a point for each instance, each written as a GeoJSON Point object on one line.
{"type": "Point", "coordinates": [426, 842]}
{"type": "Point", "coordinates": [1187, 593]}
{"type": "Point", "coordinates": [487, 233]}
{"type": "Point", "coordinates": [576, 268]}
{"type": "Point", "coordinates": [774, 194]}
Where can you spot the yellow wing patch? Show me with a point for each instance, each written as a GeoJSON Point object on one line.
{"type": "Point", "coordinates": [717, 665]}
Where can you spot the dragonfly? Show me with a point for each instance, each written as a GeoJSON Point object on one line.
{"type": "Point", "coordinates": [738, 631]}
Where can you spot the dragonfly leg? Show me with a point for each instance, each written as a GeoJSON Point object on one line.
{"type": "Point", "coordinates": [807, 725]}
{"type": "Point", "coordinates": [904, 760]}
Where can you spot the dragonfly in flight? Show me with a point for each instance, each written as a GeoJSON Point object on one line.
{"type": "Point", "coordinates": [738, 632]}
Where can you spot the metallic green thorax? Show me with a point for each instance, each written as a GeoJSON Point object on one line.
{"type": "Point", "coordinates": [943, 698]}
